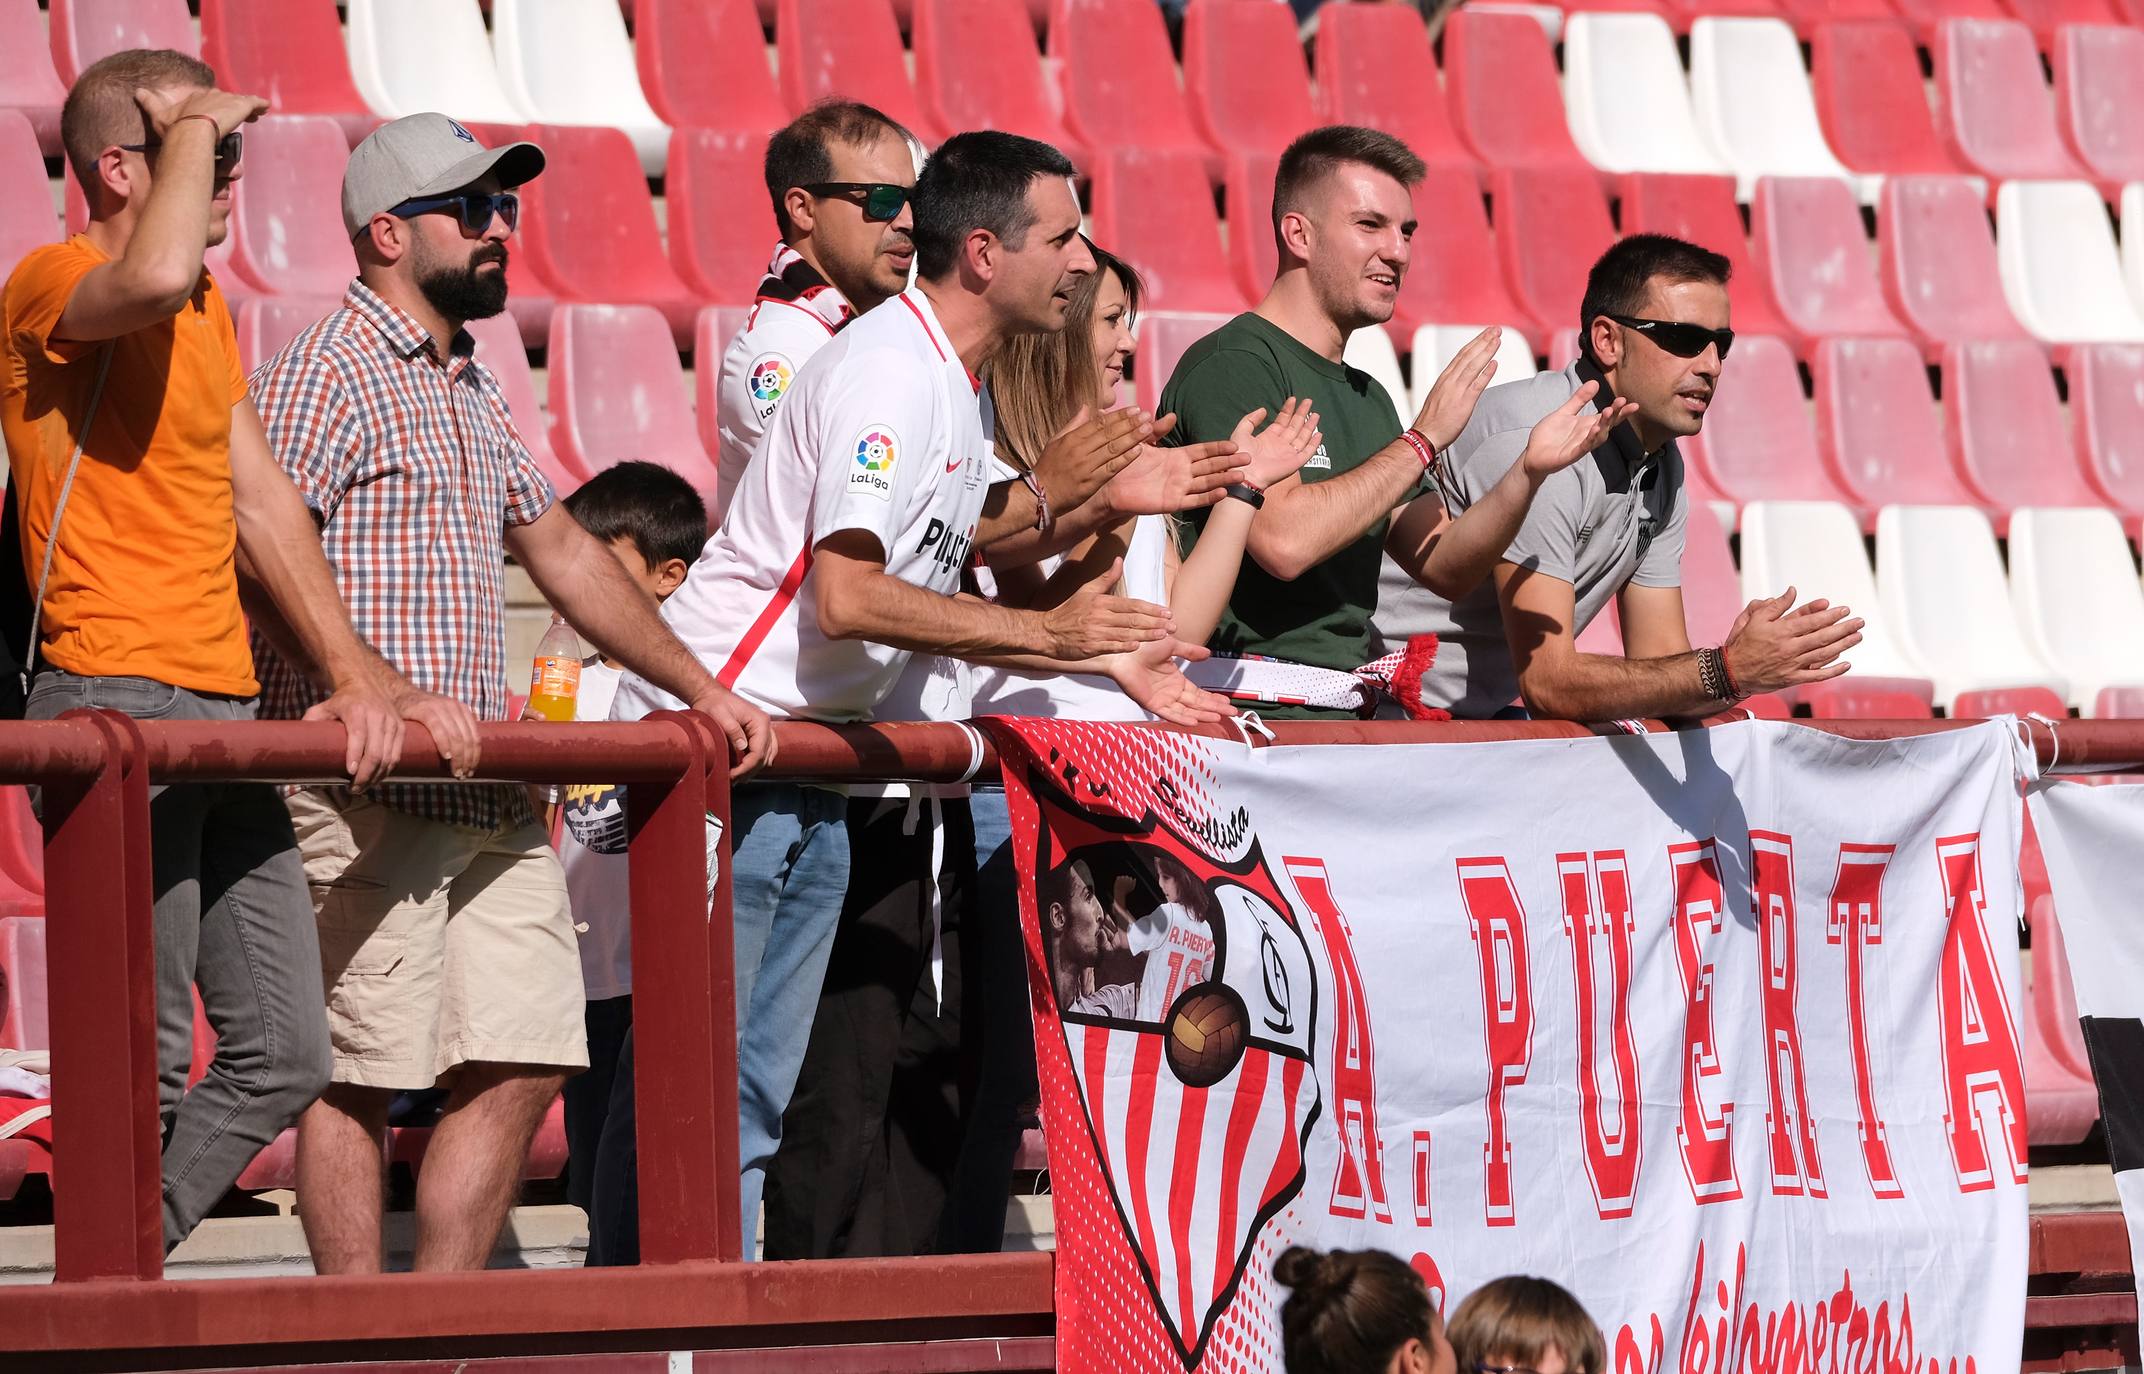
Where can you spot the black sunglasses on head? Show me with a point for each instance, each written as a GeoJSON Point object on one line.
{"type": "Point", "coordinates": [475, 209]}
{"type": "Point", "coordinates": [1681, 339]}
{"type": "Point", "coordinates": [881, 200]}
{"type": "Point", "coordinates": [229, 149]}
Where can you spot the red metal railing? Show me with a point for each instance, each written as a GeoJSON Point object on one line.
{"type": "Point", "coordinates": [110, 1294]}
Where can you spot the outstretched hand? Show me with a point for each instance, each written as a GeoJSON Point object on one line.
{"type": "Point", "coordinates": [1091, 451]}
{"type": "Point", "coordinates": [1565, 435]}
{"type": "Point", "coordinates": [1450, 403]}
{"type": "Point", "coordinates": [1164, 481]}
{"type": "Point", "coordinates": [1153, 676]}
{"type": "Point", "coordinates": [1281, 448]}
{"type": "Point", "coordinates": [1093, 622]}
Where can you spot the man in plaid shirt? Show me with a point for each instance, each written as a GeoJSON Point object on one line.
{"type": "Point", "coordinates": [446, 942]}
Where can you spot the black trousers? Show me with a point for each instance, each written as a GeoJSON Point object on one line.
{"type": "Point", "coordinates": [873, 1131]}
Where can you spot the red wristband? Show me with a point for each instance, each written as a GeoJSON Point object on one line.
{"type": "Point", "coordinates": [1419, 442]}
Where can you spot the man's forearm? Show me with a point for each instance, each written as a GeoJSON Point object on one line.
{"type": "Point", "coordinates": [1470, 547]}
{"type": "Point", "coordinates": [880, 607]}
{"type": "Point", "coordinates": [600, 601]}
{"type": "Point", "coordinates": [1007, 526]}
{"type": "Point", "coordinates": [1602, 687]}
{"type": "Point", "coordinates": [1305, 523]}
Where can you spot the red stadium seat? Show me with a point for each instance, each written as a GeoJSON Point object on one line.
{"type": "Point", "coordinates": [287, 236]}
{"type": "Point", "coordinates": [1757, 444]}
{"type": "Point", "coordinates": [2047, 18]}
{"type": "Point", "coordinates": [588, 226]}
{"type": "Point", "coordinates": [1806, 15]}
{"type": "Point", "coordinates": [703, 65]}
{"type": "Point", "coordinates": [1711, 589]}
{"type": "Point", "coordinates": [2099, 100]}
{"type": "Point", "coordinates": [1768, 707]}
{"type": "Point", "coordinates": [977, 67]}
{"type": "Point", "coordinates": [25, 1016]}
{"type": "Point", "coordinates": [1120, 81]}
{"type": "Point", "coordinates": [618, 392]}
{"type": "Point", "coordinates": [1813, 256]}
{"type": "Point", "coordinates": [1853, 698]}
{"type": "Point", "coordinates": [22, 852]}
{"type": "Point", "coordinates": [1551, 224]}
{"type": "Point", "coordinates": [1163, 337]}
{"type": "Point", "coordinates": [26, 217]}
{"type": "Point", "coordinates": [1927, 16]}
{"type": "Point", "coordinates": [1244, 74]}
{"type": "Point", "coordinates": [290, 52]}
{"type": "Point", "coordinates": [847, 48]}
{"type": "Point", "coordinates": [1876, 427]}
{"type": "Point", "coordinates": [267, 323]}
{"type": "Point", "coordinates": [2005, 426]}
{"type": "Point", "coordinates": [1373, 69]}
{"type": "Point", "coordinates": [85, 30]}
{"type": "Point", "coordinates": [1451, 226]}
{"type": "Point", "coordinates": [1155, 210]}
{"type": "Point", "coordinates": [499, 349]}
{"type": "Point", "coordinates": [711, 335]}
{"type": "Point", "coordinates": [1503, 93]}
{"type": "Point", "coordinates": [2061, 1103]}
{"type": "Point", "coordinates": [2119, 703]}
{"type": "Point", "coordinates": [2107, 418]}
{"type": "Point", "coordinates": [2009, 701]}
{"type": "Point", "coordinates": [1939, 270]}
{"type": "Point", "coordinates": [1992, 103]}
{"type": "Point", "coordinates": [1871, 100]}
{"type": "Point", "coordinates": [1247, 191]}
{"type": "Point", "coordinates": [28, 85]}
{"type": "Point", "coordinates": [1702, 209]}
{"type": "Point", "coordinates": [722, 229]}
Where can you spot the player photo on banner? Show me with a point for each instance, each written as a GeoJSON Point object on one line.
{"type": "Point", "coordinates": [1718, 1029]}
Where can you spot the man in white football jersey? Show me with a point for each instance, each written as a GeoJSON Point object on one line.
{"type": "Point", "coordinates": [840, 176]}
{"type": "Point", "coordinates": [841, 555]}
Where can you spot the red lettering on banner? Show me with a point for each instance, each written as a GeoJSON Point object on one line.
{"type": "Point", "coordinates": [1498, 923]}
{"type": "Point", "coordinates": [1359, 1179]}
{"type": "Point", "coordinates": [1598, 921]}
{"type": "Point", "coordinates": [1856, 922]}
{"type": "Point", "coordinates": [1421, 1178]}
{"type": "Point", "coordinates": [1705, 1132]}
{"type": "Point", "coordinates": [1983, 1077]}
{"type": "Point", "coordinates": [1795, 1166]}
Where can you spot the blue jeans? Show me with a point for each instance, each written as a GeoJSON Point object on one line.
{"type": "Point", "coordinates": [789, 869]}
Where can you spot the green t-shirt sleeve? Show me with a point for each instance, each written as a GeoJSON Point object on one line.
{"type": "Point", "coordinates": [1213, 394]}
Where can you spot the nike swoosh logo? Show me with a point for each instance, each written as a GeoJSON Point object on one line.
{"type": "Point", "coordinates": [954, 465]}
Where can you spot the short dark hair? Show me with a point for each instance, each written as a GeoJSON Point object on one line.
{"type": "Point", "coordinates": [801, 153]}
{"type": "Point", "coordinates": [100, 110]}
{"type": "Point", "coordinates": [646, 503]}
{"type": "Point", "coordinates": [1618, 282]}
{"type": "Point", "coordinates": [978, 180]}
{"type": "Point", "coordinates": [1315, 155]}
{"type": "Point", "coordinates": [1349, 1309]}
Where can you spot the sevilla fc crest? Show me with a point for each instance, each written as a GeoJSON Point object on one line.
{"type": "Point", "coordinates": [1187, 1001]}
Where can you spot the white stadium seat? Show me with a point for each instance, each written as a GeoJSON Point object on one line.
{"type": "Point", "coordinates": [571, 62]}
{"type": "Point", "coordinates": [2074, 586]}
{"type": "Point", "coordinates": [1752, 101]}
{"type": "Point", "coordinates": [1815, 547]}
{"type": "Point", "coordinates": [1371, 350]}
{"type": "Point", "coordinates": [1940, 578]}
{"type": "Point", "coordinates": [1434, 345]}
{"type": "Point", "coordinates": [2059, 266]}
{"type": "Point", "coordinates": [409, 56]}
{"type": "Point", "coordinates": [1625, 96]}
{"type": "Point", "coordinates": [2133, 240]}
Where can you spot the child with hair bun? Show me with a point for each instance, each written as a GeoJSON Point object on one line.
{"type": "Point", "coordinates": [1358, 1312]}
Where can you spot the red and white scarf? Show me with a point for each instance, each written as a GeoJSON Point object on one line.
{"type": "Point", "coordinates": [793, 280]}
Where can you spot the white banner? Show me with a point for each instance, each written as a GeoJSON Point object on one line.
{"type": "Point", "coordinates": [1719, 1029]}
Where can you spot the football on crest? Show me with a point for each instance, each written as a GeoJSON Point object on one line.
{"type": "Point", "coordinates": [1206, 1031]}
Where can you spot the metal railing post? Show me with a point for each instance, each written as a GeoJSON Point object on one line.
{"type": "Point", "coordinates": [681, 1123]}
{"type": "Point", "coordinates": [722, 999]}
{"type": "Point", "coordinates": [108, 1210]}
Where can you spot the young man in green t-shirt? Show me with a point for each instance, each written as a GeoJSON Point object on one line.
{"type": "Point", "coordinates": [1343, 216]}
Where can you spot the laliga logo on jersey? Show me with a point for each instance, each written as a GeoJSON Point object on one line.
{"type": "Point", "coordinates": [876, 452]}
{"type": "Point", "coordinates": [768, 379]}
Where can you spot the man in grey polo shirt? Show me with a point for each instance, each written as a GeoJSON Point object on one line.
{"type": "Point", "coordinates": [1654, 332]}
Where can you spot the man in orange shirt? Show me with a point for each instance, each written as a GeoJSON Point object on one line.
{"type": "Point", "coordinates": [145, 485]}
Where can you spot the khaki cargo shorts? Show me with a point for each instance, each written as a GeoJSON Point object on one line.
{"type": "Point", "coordinates": [440, 944]}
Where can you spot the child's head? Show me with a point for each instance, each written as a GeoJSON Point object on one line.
{"type": "Point", "coordinates": [650, 517]}
{"type": "Point", "coordinates": [1357, 1311]}
{"type": "Point", "coordinates": [1529, 1324]}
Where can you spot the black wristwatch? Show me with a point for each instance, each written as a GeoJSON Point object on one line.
{"type": "Point", "coordinates": [1246, 493]}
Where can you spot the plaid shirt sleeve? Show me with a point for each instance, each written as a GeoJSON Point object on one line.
{"type": "Point", "coordinates": [528, 491]}
{"type": "Point", "coordinates": [312, 428]}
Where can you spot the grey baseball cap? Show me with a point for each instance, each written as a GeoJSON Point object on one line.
{"type": "Point", "coordinates": [424, 155]}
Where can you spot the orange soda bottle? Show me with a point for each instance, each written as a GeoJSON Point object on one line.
{"type": "Point", "coordinates": [555, 680]}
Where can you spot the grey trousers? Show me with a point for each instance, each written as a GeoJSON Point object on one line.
{"type": "Point", "coordinates": [235, 920]}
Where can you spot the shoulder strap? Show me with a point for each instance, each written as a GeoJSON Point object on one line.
{"type": "Point", "coordinates": [59, 509]}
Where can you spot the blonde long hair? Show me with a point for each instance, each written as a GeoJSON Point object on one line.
{"type": "Point", "coordinates": [1039, 382]}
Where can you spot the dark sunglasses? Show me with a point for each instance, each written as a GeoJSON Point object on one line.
{"type": "Point", "coordinates": [475, 208]}
{"type": "Point", "coordinates": [229, 149]}
{"type": "Point", "coordinates": [882, 201]}
{"type": "Point", "coordinates": [1682, 340]}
